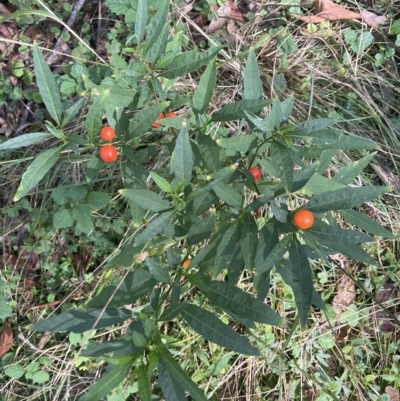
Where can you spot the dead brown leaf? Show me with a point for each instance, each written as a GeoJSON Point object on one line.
{"type": "Point", "coordinates": [346, 293]}
{"type": "Point", "coordinates": [372, 19]}
{"type": "Point", "coordinates": [389, 177]}
{"type": "Point", "coordinates": [226, 14]}
{"type": "Point", "coordinates": [392, 393]}
{"type": "Point", "coordinates": [6, 339]}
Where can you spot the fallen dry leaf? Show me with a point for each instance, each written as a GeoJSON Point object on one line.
{"type": "Point", "coordinates": [392, 393]}
{"type": "Point", "coordinates": [372, 19]}
{"type": "Point", "coordinates": [6, 339]}
{"type": "Point", "coordinates": [389, 177]}
{"type": "Point", "coordinates": [346, 293]}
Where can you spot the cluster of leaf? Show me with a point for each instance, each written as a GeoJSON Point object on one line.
{"type": "Point", "coordinates": [197, 197]}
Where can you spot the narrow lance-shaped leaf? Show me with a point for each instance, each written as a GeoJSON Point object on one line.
{"type": "Point", "coordinates": [141, 19]}
{"type": "Point", "coordinates": [239, 143]}
{"type": "Point", "coordinates": [47, 85]}
{"type": "Point", "coordinates": [36, 171]}
{"type": "Point", "coordinates": [24, 140]}
{"type": "Point", "coordinates": [205, 88]}
{"type": "Point", "coordinates": [302, 285]}
{"type": "Point", "coordinates": [228, 194]}
{"type": "Point", "coordinates": [236, 111]}
{"type": "Point", "coordinates": [347, 174]}
{"type": "Point", "coordinates": [155, 227]}
{"type": "Point", "coordinates": [180, 375]}
{"type": "Point", "coordinates": [108, 382]}
{"type": "Point", "coordinates": [275, 255]}
{"type": "Point", "coordinates": [283, 164]}
{"type": "Point", "coordinates": [72, 111]}
{"type": "Point", "coordinates": [159, 273]}
{"type": "Point", "coordinates": [95, 114]}
{"type": "Point", "coordinates": [144, 386]}
{"type": "Point", "coordinates": [345, 198]}
{"type": "Point", "coordinates": [248, 240]}
{"type": "Point", "coordinates": [149, 200]}
{"type": "Point", "coordinates": [182, 157]}
{"type": "Point", "coordinates": [161, 182]}
{"type": "Point", "coordinates": [170, 387]}
{"type": "Point", "coordinates": [253, 88]}
{"type": "Point", "coordinates": [209, 150]}
{"type": "Point", "coordinates": [212, 329]}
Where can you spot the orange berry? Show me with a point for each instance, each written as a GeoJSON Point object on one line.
{"type": "Point", "coordinates": [255, 172]}
{"type": "Point", "coordinates": [108, 153]}
{"type": "Point", "coordinates": [303, 219]}
{"type": "Point", "coordinates": [156, 124]}
{"type": "Point", "coordinates": [168, 115]}
{"type": "Point", "coordinates": [186, 263]}
{"type": "Point", "coordinates": [107, 133]}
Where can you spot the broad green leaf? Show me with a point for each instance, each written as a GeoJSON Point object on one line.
{"type": "Point", "coordinates": [159, 272]}
{"type": "Point", "coordinates": [212, 329]}
{"type": "Point", "coordinates": [209, 150]}
{"type": "Point", "coordinates": [189, 61]}
{"type": "Point", "coordinates": [268, 239]}
{"type": "Point", "coordinates": [253, 87]}
{"type": "Point", "coordinates": [155, 227]}
{"type": "Point", "coordinates": [144, 385]}
{"type": "Point", "coordinates": [47, 85]}
{"type": "Point", "coordinates": [93, 120]}
{"type": "Point", "coordinates": [170, 387]}
{"type": "Point", "coordinates": [236, 301]}
{"type": "Point", "coordinates": [121, 98]}
{"type": "Point", "coordinates": [136, 285]}
{"type": "Point", "coordinates": [283, 164]}
{"type": "Point", "coordinates": [182, 157]}
{"type": "Point", "coordinates": [302, 284]}
{"type": "Point", "coordinates": [98, 199]}
{"type": "Point", "coordinates": [63, 219]}
{"type": "Point", "coordinates": [141, 19]}
{"type": "Point", "coordinates": [347, 174]}
{"type": "Point", "coordinates": [239, 143]}
{"type": "Point", "coordinates": [179, 375]}
{"type": "Point", "coordinates": [275, 255]}
{"type": "Point", "coordinates": [228, 194]}
{"type": "Point", "coordinates": [5, 309]}
{"type": "Point", "coordinates": [110, 380]}
{"type": "Point", "coordinates": [149, 200]}
{"type": "Point", "coordinates": [79, 321]}
{"type": "Point", "coordinates": [201, 230]}
{"type": "Point", "coordinates": [82, 216]}
{"type": "Point", "coordinates": [363, 221]}
{"type": "Point", "coordinates": [345, 198]}
{"type": "Point", "coordinates": [226, 247]}
{"type": "Point", "coordinates": [161, 182]}
{"type": "Point", "coordinates": [37, 170]}
{"type": "Point", "coordinates": [321, 230]}
{"type": "Point", "coordinates": [236, 111]}
{"type": "Point", "coordinates": [205, 88]}
{"type": "Point", "coordinates": [24, 140]}
{"type": "Point", "coordinates": [249, 239]}
{"type": "Point", "coordinates": [72, 111]}
{"type": "Point", "coordinates": [141, 124]}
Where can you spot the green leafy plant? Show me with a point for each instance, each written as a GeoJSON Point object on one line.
{"type": "Point", "coordinates": [200, 197]}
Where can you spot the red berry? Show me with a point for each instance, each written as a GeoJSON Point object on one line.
{"type": "Point", "coordinates": [107, 133]}
{"type": "Point", "coordinates": [108, 153]}
{"type": "Point", "coordinates": [255, 172]}
{"type": "Point", "coordinates": [156, 124]}
{"type": "Point", "coordinates": [303, 219]}
{"type": "Point", "coordinates": [171, 115]}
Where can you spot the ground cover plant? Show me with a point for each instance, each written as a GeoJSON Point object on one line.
{"type": "Point", "coordinates": [207, 223]}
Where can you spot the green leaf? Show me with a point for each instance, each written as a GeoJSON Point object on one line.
{"type": "Point", "coordinates": [5, 310]}
{"type": "Point", "coordinates": [170, 387]}
{"type": "Point", "coordinates": [72, 111]}
{"type": "Point", "coordinates": [347, 174]}
{"type": "Point", "coordinates": [361, 220]}
{"type": "Point", "coordinates": [345, 198]}
{"type": "Point", "coordinates": [141, 124]}
{"type": "Point", "coordinates": [161, 182]}
{"type": "Point", "coordinates": [136, 285]}
{"type": "Point", "coordinates": [318, 185]}
{"type": "Point", "coordinates": [283, 164]}
{"type": "Point", "coordinates": [158, 272]}
{"type": "Point", "coordinates": [201, 230]}
{"type": "Point", "coordinates": [82, 214]}
{"type": "Point", "coordinates": [209, 150]}
{"type": "Point", "coordinates": [302, 285]}
{"type": "Point", "coordinates": [179, 375]}
{"type": "Point", "coordinates": [172, 312]}
{"type": "Point", "coordinates": [236, 111]}
{"type": "Point", "coordinates": [321, 230]}
{"type": "Point", "coordinates": [141, 19]}
{"type": "Point", "coordinates": [307, 127]}
{"type": "Point", "coordinates": [249, 239]}
{"type": "Point", "coordinates": [94, 116]}
{"type": "Point", "coordinates": [24, 140]}
{"type": "Point", "coordinates": [238, 302]}
{"type": "Point", "coordinates": [149, 200]}
{"type": "Point", "coordinates": [205, 88]}
{"type": "Point", "coordinates": [158, 49]}
{"type": "Point", "coordinates": [155, 227]}
{"type": "Point", "coordinates": [47, 85]}
{"type": "Point", "coordinates": [229, 194]}
{"type": "Point", "coordinates": [189, 61]}
{"type": "Point", "coordinates": [63, 219]}
{"type": "Point", "coordinates": [182, 157]}
{"type": "Point", "coordinates": [36, 171]}
{"type": "Point", "coordinates": [98, 199]}
{"type": "Point", "coordinates": [253, 87]}
{"type": "Point", "coordinates": [268, 239]}
{"type": "Point", "coordinates": [79, 321]}
{"type": "Point", "coordinates": [212, 329]}
{"type": "Point", "coordinates": [239, 143]}
{"type": "Point", "coordinates": [108, 382]}
{"type": "Point", "coordinates": [275, 255]}
{"type": "Point", "coordinates": [144, 386]}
